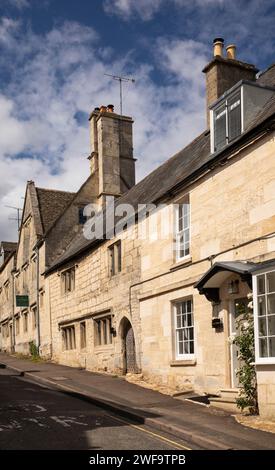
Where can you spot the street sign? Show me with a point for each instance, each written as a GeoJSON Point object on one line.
{"type": "Point", "coordinates": [22, 301]}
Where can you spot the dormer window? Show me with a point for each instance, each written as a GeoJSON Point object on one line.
{"type": "Point", "coordinates": [227, 121]}
{"type": "Point", "coordinates": [234, 111]}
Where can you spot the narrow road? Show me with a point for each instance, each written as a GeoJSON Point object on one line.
{"type": "Point", "coordinates": [37, 417]}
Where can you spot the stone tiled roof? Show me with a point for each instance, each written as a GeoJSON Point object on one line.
{"type": "Point", "coordinates": [180, 169]}
{"type": "Point", "coordinates": [9, 247]}
{"type": "Point", "coordinates": [267, 77]}
{"type": "Point", "coordinates": [51, 204]}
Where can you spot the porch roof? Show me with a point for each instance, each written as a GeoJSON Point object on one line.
{"type": "Point", "coordinates": [217, 274]}
{"type": "Point", "coordinates": [211, 281]}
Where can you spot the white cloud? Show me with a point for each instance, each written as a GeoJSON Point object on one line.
{"type": "Point", "coordinates": [147, 8]}
{"type": "Point", "coordinates": [126, 8]}
{"type": "Point", "coordinates": [17, 3]}
{"type": "Point", "coordinates": [59, 76]}
{"type": "Point", "coordinates": [7, 29]}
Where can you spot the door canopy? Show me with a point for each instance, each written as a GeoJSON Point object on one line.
{"type": "Point", "coordinates": [209, 284]}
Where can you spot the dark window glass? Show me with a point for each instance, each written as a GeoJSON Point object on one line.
{"type": "Point", "coordinates": [234, 117]}
{"type": "Point", "coordinates": [220, 127]}
{"type": "Point", "coordinates": [82, 219]}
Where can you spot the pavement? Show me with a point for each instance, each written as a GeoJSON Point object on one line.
{"type": "Point", "coordinates": [195, 423]}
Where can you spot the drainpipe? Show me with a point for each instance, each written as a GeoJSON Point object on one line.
{"type": "Point", "coordinates": [13, 272]}
{"type": "Point", "coordinates": [36, 248]}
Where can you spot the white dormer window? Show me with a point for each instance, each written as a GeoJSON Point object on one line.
{"type": "Point", "coordinates": [227, 121]}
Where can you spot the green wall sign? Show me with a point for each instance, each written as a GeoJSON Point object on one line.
{"type": "Point", "coordinates": [22, 301]}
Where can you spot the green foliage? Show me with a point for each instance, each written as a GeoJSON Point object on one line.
{"type": "Point", "coordinates": [246, 355]}
{"type": "Point", "coordinates": [34, 350]}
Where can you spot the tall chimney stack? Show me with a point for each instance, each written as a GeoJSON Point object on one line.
{"type": "Point", "coordinates": [111, 160]}
{"type": "Point", "coordinates": [222, 73]}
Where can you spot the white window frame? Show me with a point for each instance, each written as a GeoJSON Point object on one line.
{"type": "Point", "coordinates": [179, 233]}
{"type": "Point", "coordinates": [212, 119]}
{"type": "Point", "coordinates": [259, 360]}
{"type": "Point", "coordinates": [184, 356]}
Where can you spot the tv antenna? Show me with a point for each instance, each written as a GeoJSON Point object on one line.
{"type": "Point", "coordinates": [120, 79]}
{"type": "Point", "coordinates": [17, 218]}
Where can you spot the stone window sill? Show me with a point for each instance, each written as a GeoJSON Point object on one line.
{"type": "Point", "coordinates": [187, 362]}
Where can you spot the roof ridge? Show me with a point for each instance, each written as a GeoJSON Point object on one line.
{"type": "Point", "coordinates": [56, 190]}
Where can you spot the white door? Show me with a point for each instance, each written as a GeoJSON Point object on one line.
{"type": "Point", "coordinates": [238, 308]}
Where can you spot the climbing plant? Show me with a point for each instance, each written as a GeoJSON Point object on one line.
{"type": "Point", "coordinates": [34, 350]}
{"type": "Point", "coordinates": [246, 372]}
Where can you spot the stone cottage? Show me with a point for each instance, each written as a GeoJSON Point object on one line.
{"type": "Point", "coordinates": [163, 293]}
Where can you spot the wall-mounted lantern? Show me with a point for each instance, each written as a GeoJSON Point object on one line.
{"type": "Point", "coordinates": [233, 287]}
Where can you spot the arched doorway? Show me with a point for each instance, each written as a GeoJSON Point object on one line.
{"type": "Point", "coordinates": [128, 347]}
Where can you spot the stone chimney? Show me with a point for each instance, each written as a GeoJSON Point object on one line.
{"type": "Point", "coordinates": [111, 152]}
{"type": "Point", "coordinates": [223, 72]}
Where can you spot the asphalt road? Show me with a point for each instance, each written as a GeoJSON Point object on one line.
{"type": "Point", "coordinates": [37, 417]}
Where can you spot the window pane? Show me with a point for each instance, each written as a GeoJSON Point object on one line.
{"type": "Point", "coordinates": [261, 284]}
{"type": "Point", "coordinates": [180, 348]}
{"type": "Point", "coordinates": [104, 324]}
{"type": "Point", "coordinates": [180, 218]}
{"type": "Point", "coordinates": [98, 323]}
{"type": "Point", "coordinates": [270, 304]}
{"type": "Point", "coordinates": [191, 347]}
{"type": "Point", "coordinates": [186, 236]}
{"type": "Point", "coordinates": [234, 118]}
{"type": "Point", "coordinates": [271, 325]}
{"type": "Point", "coordinates": [263, 347]}
{"type": "Point", "coordinates": [272, 347]}
{"type": "Point", "coordinates": [261, 306]}
{"type": "Point", "coordinates": [181, 246]}
{"type": "Point", "coordinates": [262, 326]}
{"type": "Point", "coordinates": [180, 335]}
{"type": "Point", "coordinates": [220, 128]}
{"type": "Point", "coordinates": [186, 347]}
{"type": "Point", "coordinates": [270, 280]}
{"type": "Point", "coordinates": [118, 257]}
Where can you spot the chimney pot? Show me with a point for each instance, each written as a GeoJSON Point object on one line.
{"type": "Point", "coordinates": [103, 109]}
{"type": "Point", "coordinates": [231, 51]}
{"type": "Point", "coordinates": [110, 108]}
{"type": "Point", "coordinates": [218, 44]}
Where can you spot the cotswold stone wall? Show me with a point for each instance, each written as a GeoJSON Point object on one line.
{"type": "Point", "coordinates": [6, 305]}
{"type": "Point", "coordinates": [232, 206]}
{"type": "Point", "coordinates": [96, 293]}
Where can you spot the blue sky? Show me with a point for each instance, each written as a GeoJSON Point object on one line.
{"type": "Point", "coordinates": [53, 56]}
